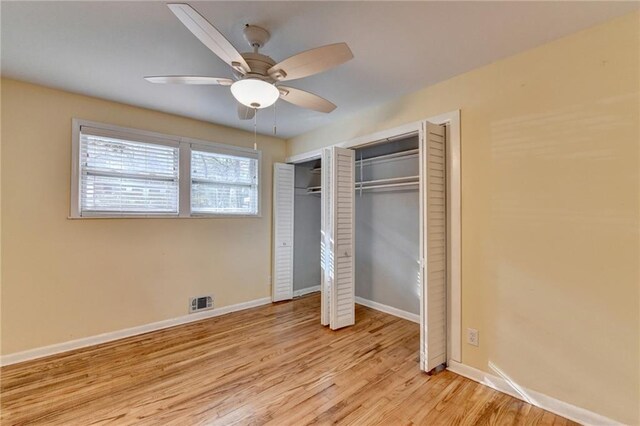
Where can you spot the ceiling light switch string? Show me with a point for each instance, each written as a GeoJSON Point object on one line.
{"type": "Point", "coordinates": [275, 120]}
{"type": "Point", "coordinates": [255, 130]}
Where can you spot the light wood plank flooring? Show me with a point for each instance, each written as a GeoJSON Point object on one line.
{"type": "Point", "coordinates": [271, 365]}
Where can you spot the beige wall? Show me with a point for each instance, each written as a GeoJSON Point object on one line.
{"type": "Point", "coordinates": [66, 279]}
{"type": "Point", "coordinates": [550, 212]}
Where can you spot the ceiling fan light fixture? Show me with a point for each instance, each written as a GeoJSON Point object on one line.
{"type": "Point", "coordinates": [255, 93]}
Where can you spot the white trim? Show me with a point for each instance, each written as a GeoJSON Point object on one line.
{"type": "Point", "coordinates": [164, 216]}
{"type": "Point", "coordinates": [74, 209]}
{"type": "Point", "coordinates": [504, 384]}
{"type": "Point", "coordinates": [221, 148]}
{"type": "Point", "coordinates": [388, 309]}
{"type": "Point", "coordinates": [184, 181]}
{"type": "Point", "coordinates": [305, 156]}
{"type": "Point", "coordinates": [306, 290]}
{"type": "Point", "coordinates": [121, 129]}
{"type": "Point", "coordinates": [405, 129]}
{"type": "Point", "coordinates": [57, 348]}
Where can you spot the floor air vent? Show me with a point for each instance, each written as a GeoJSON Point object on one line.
{"type": "Point", "coordinates": [197, 304]}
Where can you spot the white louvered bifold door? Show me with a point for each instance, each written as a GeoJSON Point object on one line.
{"type": "Point", "coordinates": [342, 195]}
{"type": "Point", "coordinates": [283, 198]}
{"type": "Point", "coordinates": [326, 246]}
{"type": "Point", "coordinates": [434, 264]}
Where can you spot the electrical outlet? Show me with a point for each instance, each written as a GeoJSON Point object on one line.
{"type": "Point", "coordinates": [472, 337]}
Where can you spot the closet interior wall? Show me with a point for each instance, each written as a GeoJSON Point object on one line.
{"type": "Point", "coordinates": [306, 234]}
{"type": "Point", "coordinates": [387, 240]}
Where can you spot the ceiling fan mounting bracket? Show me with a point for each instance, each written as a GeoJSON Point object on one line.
{"type": "Point", "coordinates": [256, 36]}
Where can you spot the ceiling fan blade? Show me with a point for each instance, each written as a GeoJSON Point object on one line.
{"type": "Point", "coordinates": [305, 99]}
{"type": "Point", "coordinates": [245, 113]}
{"type": "Point", "coordinates": [311, 62]}
{"type": "Point", "coordinates": [189, 79]}
{"type": "Point", "coordinates": [209, 35]}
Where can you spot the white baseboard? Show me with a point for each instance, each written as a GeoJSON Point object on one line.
{"type": "Point", "coordinates": [306, 290]}
{"type": "Point", "coordinates": [505, 385]}
{"type": "Point", "coordinates": [127, 332]}
{"type": "Point", "coordinates": [388, 309]}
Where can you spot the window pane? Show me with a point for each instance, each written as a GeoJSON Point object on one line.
{"type": "Point", "coordinates": [223, 199]}
{"type": "Point", "coordinates": [115, 194]}
{"type": "Point", "coordinates": [120, 176]}
{"type": "Point", "coordinates": [113, 155]}
{"type": "Point", "coordinates": [222, 168]}
{"type": "Point", "coordinates": [223, 184]}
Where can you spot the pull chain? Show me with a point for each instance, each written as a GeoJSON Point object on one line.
{"type": "Point", "coordinates": [275, 120]}
{"type": "Point", "coordinates": [255, 129]}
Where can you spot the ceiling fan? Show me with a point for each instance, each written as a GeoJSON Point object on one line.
{"type": "Point", "coordinates": [256, 76]}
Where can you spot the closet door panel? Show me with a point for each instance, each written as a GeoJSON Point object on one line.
{"type": "Point", "coordinates": [435, 266]}
{"type": "Point", "coordinates": [283, 204]}
{"type": "Point", "coordinates": [342, 304]}
{"type": "Point", "coordinates": [326, 241]}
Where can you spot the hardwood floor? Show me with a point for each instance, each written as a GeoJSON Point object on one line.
{"type": "Point", "coordinates": [272, 365]}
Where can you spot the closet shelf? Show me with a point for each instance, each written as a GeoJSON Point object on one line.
{"type": "Point", "coordinates": [400, 154]}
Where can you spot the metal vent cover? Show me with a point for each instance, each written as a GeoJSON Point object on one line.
{"type": "Point", "coordinates": [200, 303]}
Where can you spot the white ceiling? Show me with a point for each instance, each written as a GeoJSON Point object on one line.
{"type": "Point", "coordinates": [104, 48]}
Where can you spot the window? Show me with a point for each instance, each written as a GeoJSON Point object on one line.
{"type": "Point", "coordinates": [127, 173]}
{"type": "Point", "coordinates": [223, 183]}
{"type": "Point", "coordinates": [120, 176]}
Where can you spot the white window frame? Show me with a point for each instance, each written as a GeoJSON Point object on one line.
{"type": "Point", "coordinates": [185, 145]}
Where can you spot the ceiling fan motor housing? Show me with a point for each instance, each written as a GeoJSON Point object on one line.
{"type": "Point", "coordinates": [259, 65]}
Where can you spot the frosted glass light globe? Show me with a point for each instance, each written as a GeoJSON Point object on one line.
{"type": "Point", "coordinates": [255, 93]}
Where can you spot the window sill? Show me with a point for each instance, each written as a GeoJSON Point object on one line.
{"type": "Point", "coordinates": [199, 216]}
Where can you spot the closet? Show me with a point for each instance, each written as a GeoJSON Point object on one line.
{"type": "Point", "coordinates": [307, 225]}
{"type": "Point", "coordinates": [367, 224]}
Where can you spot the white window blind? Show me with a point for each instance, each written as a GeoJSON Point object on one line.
{"type": "Point", "coordinates": [126, 177]}
{"type": "Point", "coordinates": [224, 182]}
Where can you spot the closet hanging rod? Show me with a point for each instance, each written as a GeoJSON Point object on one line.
{"type": "Point", "coordinates": [375, 182]}
{"type": "Point", "coordinates": [378, 183]}
{"type": "Point", "coordinates": [387, 180]}
{"type": "Point", "coordinates": [384, 185]}
{"type": "Point", "coordinates": [391, 185]}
